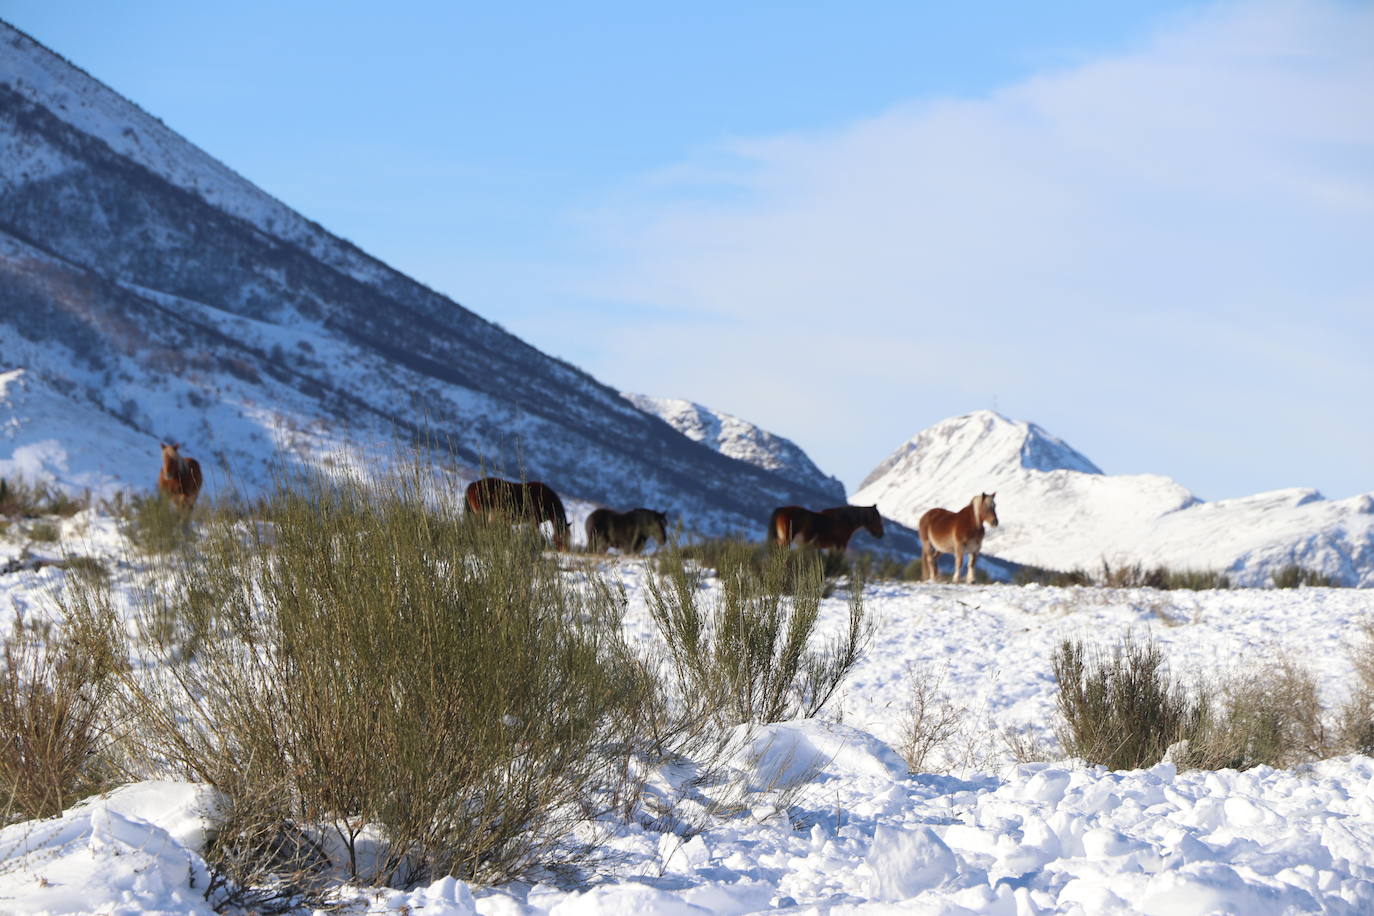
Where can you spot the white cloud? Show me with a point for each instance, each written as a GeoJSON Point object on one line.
{"type": "Point", "coordinates": [1129, 251]}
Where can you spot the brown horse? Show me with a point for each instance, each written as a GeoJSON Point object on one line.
{"type": "Point", "coordinates": [531, 502]}
{"type": "Point", "coordinates": [827, 529]}
{"type": "Point", "coordinates": [959, 533]}
{"type": "Point", "coordinates": [180, 478]}
{"type": "Point", "coordinates": [628, 531]}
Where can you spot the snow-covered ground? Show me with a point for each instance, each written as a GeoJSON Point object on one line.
{"type": "Point", "coordinates": [831, 821]}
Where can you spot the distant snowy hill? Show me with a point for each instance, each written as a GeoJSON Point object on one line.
{"type": "Point", "coordinates": [1060, 511]}
{"type": "Point", "coordinates": [148, 292]}
{"type": "Point", "coordinates": [738, 438]}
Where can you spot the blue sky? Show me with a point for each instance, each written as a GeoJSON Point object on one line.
{"type": "Point", "coordinates": [1145, 226]}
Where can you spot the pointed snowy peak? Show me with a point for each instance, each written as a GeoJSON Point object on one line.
{"type": "Point", "coordinates": [738, 438]}
{"type": "Point", "coordinates": [985, 442]}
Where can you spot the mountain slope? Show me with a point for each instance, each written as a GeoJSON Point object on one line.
{"type": "Point", "coordinates": [738, 438]}
{"type": "Point", "coordinates": [1058, 510]}
{"type": "Point", "coordinates": [150, 289]}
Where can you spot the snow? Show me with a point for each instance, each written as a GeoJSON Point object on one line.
{"type": "Point", "coordinates": [738, 438]}
{"type": "Point", "coordinates": [1059, 511]}
{"type": "Point", "coordinates": [131, 852]}
{"type": "Point", "coordinates": [822, 816]}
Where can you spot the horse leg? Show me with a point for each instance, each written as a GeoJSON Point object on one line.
{"type": "Point", "coordinates": [958, 561]}
{"type": "Point", "coordinates": [972, 559]}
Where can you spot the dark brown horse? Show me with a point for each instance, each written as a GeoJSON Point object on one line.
{"type": "Point", "coordinates": [959, 533]}
{"type": "Point", "coordinates": [180, 477]}
{"type": "Point", "coordinates": [627, 531]}
{"type": "Point", "coordinates": [531, 502]}
{"type": "Point", "coordinates": [828, 529]}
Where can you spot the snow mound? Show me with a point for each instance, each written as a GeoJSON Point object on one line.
{"type": "Point", "coordinates": [133, 852]}
{"type": "Point", "coordinates": [787, 753]}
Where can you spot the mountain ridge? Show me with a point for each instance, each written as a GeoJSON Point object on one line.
{"type": "Point", "coordinates": [734, 436]}
{"type": "Point", "coordinates": [159, 292]}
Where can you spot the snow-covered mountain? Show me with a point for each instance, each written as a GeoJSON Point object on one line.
{"type": "Point", "coordinates": [1058, 510]}
{"type": "Point", "coordinates": [738, 438]}
{"type": "Point", "coordinates": [148, 292]}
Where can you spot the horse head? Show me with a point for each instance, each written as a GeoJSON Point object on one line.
{"type": "Point", "coordinates": [561, 534]}
{"type": "Point", "coordinates": [873, 521]}
{"type": "Point", "coordinates": [987, 509]}
{"type": "Point", "coordinates": [661, 525]}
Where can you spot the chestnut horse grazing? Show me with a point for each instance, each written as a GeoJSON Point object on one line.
{"type": "Point", "coordinates": [629, 531]}
{"type": "Point", "coordinates": [531, 502]}
{"type": "Point", "coordinates": [180, 478]}
{"type": "Point", "coordinates": [959, 533]}
{"type": "Point", "coordinates": [827, 529]}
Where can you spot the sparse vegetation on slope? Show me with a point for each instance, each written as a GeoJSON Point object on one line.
{"type": "Point", "coordinates": [369, 678]}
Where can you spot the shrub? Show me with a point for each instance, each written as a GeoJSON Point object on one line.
{"type": "Point", "coordinates": [86, 566]}
{"type": "Point", "coordinates": [53, 698]}
{"type": "Point", "coordinates": [1355, 727]}
{"type": "Point", "coordinates": [871, 567]}
{"type": "Point", "coordinates": [744, 656]}
{"type": "Point", "coordinates": [24, 500]}
{"type": "Point", "coordinates": [45, 532]}
{"type": "Point", "coordinates": [1270, 715]}
{"type": "Point", "coordinates": [1162, 577]}
{"type": "Point", "coordinates": [1035, 575]}
{"type": "Point", "coordinates": [929, 721]}
{"type": "Point", "coordinates": [721, 554]}
{"type": "Point", "coordinates": [411, 691]}
{"type": "Point", "coordinates": [155, 526]}
{"type": "Point", "coordinates": [1295, 576]}
{"type": "Point", "coordinates": [1120, 709]}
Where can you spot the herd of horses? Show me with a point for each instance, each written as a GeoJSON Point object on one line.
{"type": "Point", "coordinates": [942, 531]}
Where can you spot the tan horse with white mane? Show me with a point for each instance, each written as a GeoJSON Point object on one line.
{"type": "Point", "coordinates": [959, 533]}
{"type": "Point", "coordinates": [180, 478]}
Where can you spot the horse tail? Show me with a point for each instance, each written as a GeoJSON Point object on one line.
{"type": "Point", "coordinates": [781, 526]}
{"type": "Point", "coordinates": [561, 528]}
{"type": "Point", "coordinates": [473, 496]}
